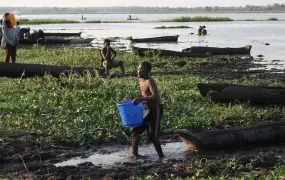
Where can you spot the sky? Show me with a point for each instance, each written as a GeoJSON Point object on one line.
{"type": "Point", "coordinates": [107, 3]}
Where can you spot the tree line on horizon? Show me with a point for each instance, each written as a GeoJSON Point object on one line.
{"type": "Point", "coordinates": [138, 9]}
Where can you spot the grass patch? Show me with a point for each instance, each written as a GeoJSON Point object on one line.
{"type": "Point", "coordinates": [45, 21]}
{"type": "Point", "coordinates": [80, 108]}
{"type": "Point", "coordinates": [197, 19]}
{"type": "Point", "coordinates": [171, 27]}
{"type": "Point", "coordinates": [272, 19]}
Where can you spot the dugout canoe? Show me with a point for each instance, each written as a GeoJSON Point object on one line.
{"type": "Point", "coordinates": [16, 70]}
{"type": "Point", "coordinates": [218, 51]}
{"type": "Point", "coordinates": [160, 52]}
{"type": "Point", "coordinates": [226, 93]}
{"type": "Point", "coordinates": [156, 39]}
{"type": "Point", "coordinates": [56, 41]}
{"type": "Point", "coordinates": [62, 34]}
{"type": "Point", "coordinates": [259, 134]}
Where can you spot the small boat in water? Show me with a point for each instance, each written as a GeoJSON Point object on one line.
{"type": "Point", "coordinates": [156, 39]}
{"type": "Point", "coordinates": [160, 52]}
{"type": "Point", "coordinates": [226, 93]}
{"type": "Point", "coordinates": [218, 51]}
{"type": "Point", "coordinates": [63, 34]}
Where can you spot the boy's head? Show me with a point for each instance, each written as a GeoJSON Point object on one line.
{"type": "Point", "coordinates": [107, 42]}
{"type": "Point", "coordinates": [144, 69]}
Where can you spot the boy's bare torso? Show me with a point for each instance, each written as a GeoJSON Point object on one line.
{"type": "Point", "coordinates": [148, 88]}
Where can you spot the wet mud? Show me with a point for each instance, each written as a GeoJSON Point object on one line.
{"type": "Point", "coordinates": [21, 158]}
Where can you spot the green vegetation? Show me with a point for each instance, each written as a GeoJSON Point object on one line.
{"type": "Point", "coordinates": [45, 21]}
{"type": "Point", "coordinates": [272, 19]}
{"type": "Point", "coordinates": [74, 108]}
{"type": "Point", "coordinates": [269, 19]}
{"type": "Point", "coordinates": [83, 108]}
{"type": "Point", "coordinates": [181, 19]}
{"type": "Point", "coordinates": [197, 19]}
{"type": "Point", "coordinates": [171, 27]}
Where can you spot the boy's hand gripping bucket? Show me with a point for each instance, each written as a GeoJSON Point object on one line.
{"type": "Point", "coordinates": [131, 114]}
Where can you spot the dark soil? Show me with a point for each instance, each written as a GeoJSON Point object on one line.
{"type": "Point", "coordinates": [21, 158]}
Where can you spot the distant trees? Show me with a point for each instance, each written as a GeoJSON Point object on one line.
{"type": "Point", "coordinates": [137, 9]}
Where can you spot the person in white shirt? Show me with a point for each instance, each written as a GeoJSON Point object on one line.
{"type": "Point", "coordinates": [10, 40]}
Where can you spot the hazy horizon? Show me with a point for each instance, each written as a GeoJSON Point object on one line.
{"type": "Point", "coordinates": [149, 3]}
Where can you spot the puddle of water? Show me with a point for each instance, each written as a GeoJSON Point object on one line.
{"type": "Point", "coordinates": [118, 155]}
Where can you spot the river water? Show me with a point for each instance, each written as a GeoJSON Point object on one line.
{"type": "Point", "coordinates": [221, 34]}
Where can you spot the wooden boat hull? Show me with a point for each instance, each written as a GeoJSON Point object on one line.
{"type": "Point", "coordinates": [46, 41]}
{"type": "Point", "coordinates": [218, 51]}
{"type": "Point", "coordinates": [156, 39]}
{"type": "Point", "coordinates": [62, 34]}
{"type": "Point", "coordinates": [264, 133]}
{"type": "Point", "coordinates": [225, 93]}
{"type": "Point", "coordinates": [159, 52]}
{"type": "Point", "coordinates": [56, 41]}
{"type": "Point", "coordinates": [16, 70]}
{"type": "Point", "coordinates": [81, 41]}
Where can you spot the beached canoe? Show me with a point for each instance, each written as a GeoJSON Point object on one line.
{"type": "Point", "coordinates": [62, 34]}
{"type": "Point", "coordinates": [56, 41]}
{"type": "Point", "coordinates": [260, 134]}
{"type": "Point", "coordinates": [46, 41]}
{"type": "Point", "coordinates": [156, 39]}
{"type": "Point", "coordinates": [218, 51]}
{"type": "Point", "coordinates": [16, 70]}
{"type": "Point", "coordinates": [160, 52]}
{"type": "Point", "coordinates": [225, 93]}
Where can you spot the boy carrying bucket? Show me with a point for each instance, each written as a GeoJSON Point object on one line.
{"type": "Point", "coordinates": [149, 95]}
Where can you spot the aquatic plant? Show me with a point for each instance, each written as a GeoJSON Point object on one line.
{"type": "Point", "coordinates": [197, 19]}
{"type": "Point", "coordinates": [171, 27]}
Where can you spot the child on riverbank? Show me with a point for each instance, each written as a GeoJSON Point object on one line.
{"type": "Point", "coordinates": [149, 95]}
{"type": "Point", "coordinates": [108, 61]}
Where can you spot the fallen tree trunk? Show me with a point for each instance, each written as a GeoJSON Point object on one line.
{"type": "Point", "coordinates": [234, 137]}
{"type": "Point", "coordinates": [16, 70]}
{"type": "Point", "coordinates": [225, 93]}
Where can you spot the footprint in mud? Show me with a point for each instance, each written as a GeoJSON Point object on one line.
{"type": "Point", "coordinates": [114, 155]}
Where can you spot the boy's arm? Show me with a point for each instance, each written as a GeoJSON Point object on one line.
{"type": "Point", "coordinates": [102, 55]}
{"type": "Point", "coordinates": [113, 51]}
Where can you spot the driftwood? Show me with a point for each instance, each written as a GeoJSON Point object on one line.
{"type": "Point", "coordinates": [226, 93]}
{"type": "Point", "coordinates": [234, 137]}
{"type": "Point", "coordinates": [147, 51]}
{"type": "Point", "coordinates": [218, 51]}
{"type": "Point", "coordinates": [16, 70]}
{"type": "Point", "coordinates": [156, 39]}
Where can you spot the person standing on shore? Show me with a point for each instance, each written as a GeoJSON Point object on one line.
{"type": "Point", "coordinates": [153, 110]}
{"type": "Point", "coordinates": [10, 39]}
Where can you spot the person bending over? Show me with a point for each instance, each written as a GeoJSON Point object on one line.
{"type": "Point", "coordinates": [107, 60]}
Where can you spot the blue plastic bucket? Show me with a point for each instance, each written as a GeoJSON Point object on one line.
{"type": "Point", "coordinates": [131, 114]}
